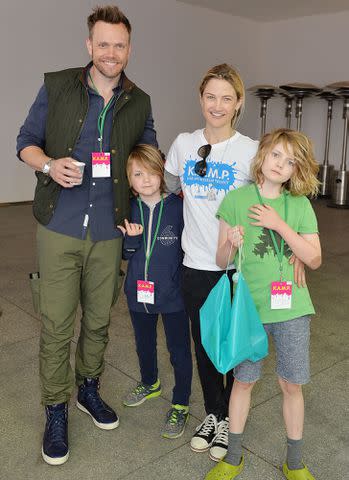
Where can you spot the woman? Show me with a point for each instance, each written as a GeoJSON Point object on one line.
{"type": "Point", "coordinates": [206, 164]}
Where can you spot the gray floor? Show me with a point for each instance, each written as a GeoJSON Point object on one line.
{"type": "Point", "coordinates": [135, 450]}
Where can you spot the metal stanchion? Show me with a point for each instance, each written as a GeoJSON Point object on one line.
{"type": "Point", "coordinates": [326, 170]}
{"type": "Point", "coordinates": [264, 92]}
{"type": "Point", "coordinates": [300, 91]}
{"type": "Point", "coordinates": [288, 105]}
{"type": "Point", "coordinates": [340, 194]}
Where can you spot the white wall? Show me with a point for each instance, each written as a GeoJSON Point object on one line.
{"type": "Point", "coordinates": [173, 45]}
{"type": "Point", "coordinates": [313, 50]}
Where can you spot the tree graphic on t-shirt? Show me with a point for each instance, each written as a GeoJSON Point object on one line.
{"type": "Point", "coordinates": [266, 246]}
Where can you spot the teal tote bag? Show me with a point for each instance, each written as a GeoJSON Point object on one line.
{"type": "Point", "coordinates": [215, 320]}
{"type": "Point", "coordinates": [232, 333]}
{"type": "Point", "coordinates": [248, 337]}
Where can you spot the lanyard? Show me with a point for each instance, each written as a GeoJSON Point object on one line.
{"type": "Point", "coordinates": [102, 115]}
{"type": "Point", "coordinates": [279, 251]}
{"type": "Point", "coordinates": [147, 257]}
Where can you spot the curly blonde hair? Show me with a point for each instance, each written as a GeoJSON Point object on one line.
{"type": "Point", "coordinates": [304, 178]}
{"type": "Point", "coordinates": [232, 76]}
{"type": "Point", "coordinates": [150, 159]}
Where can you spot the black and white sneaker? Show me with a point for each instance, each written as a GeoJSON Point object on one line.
{"type": "Point", "coordinates": [205, 433]}
{"type": "Point", "coordinates": [219, 445]}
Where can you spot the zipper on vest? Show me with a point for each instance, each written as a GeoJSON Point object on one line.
{"type": "Point", "coordinates": [84, 119]}
{"type": "Point", "coordinates": [123, 100]}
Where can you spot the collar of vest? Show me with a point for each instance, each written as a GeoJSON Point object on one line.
{"type": "Point", "coordinates": [127, 85]}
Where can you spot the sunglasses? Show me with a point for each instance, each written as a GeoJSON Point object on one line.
{"type": "Point", "coordinates": [201, 166]}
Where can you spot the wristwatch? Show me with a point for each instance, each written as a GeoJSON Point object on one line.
{"type": "Point", "coordinates": [47, 166]}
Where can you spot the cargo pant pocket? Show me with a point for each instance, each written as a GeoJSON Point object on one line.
{"type": "Point", "coordinates": [118, 286]}
{"type": "Point", "coordinates": [34, 279]}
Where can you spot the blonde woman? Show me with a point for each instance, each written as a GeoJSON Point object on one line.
{"type": "Point", "coordinates": [206, 165]}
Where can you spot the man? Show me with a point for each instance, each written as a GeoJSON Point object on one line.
{"type": "Point", "coordinates": [94, 115]}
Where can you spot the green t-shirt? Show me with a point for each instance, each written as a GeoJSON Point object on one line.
{"type": "Point", "coordinates": [260, 265]}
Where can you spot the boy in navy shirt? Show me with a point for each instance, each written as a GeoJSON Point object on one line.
{"type": "Point", "coordinates": [152, 245]}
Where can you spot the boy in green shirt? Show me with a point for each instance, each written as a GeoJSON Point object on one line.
{"type": "Point", "coordinates": [273, 219]}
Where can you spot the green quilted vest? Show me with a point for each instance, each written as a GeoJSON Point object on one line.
{"type": "Point", "coordinates": [67, 110]}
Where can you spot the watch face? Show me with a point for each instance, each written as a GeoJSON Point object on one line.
{"type": "Point", "coordinates": [46, 168]}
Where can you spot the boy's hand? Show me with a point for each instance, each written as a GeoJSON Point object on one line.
{"type": "Point", "coordinates": [235, 236]}
{"type": "Point", "coordinates": [265, 216]}
{"type": "Point", "coordinates": [132, 229]}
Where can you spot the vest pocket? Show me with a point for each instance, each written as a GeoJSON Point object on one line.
{"type": "Point", "coordinates": [46, 195]}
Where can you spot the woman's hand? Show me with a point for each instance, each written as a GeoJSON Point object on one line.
{"type": "Point", "coordinates": [235, 236]}
{"type": "Point", "coordinates": [298, 271]}
{"type": "Point", "coordinates": [132, 229]}
{"type": "Point", "coordinates": [265, 216]}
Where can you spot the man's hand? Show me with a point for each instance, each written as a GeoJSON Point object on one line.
{"type": "Point", "coordinates": [132, 229]}
{"type": "Point", "coordinates": [64, 172]}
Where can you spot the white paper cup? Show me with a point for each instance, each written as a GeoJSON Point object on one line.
{"type": "Point", "coordinates": [81, 166]}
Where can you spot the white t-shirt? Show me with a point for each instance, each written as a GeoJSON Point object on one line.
{"type": "Point", "coordinates": [228, 167]}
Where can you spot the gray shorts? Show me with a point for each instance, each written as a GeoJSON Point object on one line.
{"type": "Point", "coordinates": [291, 340]}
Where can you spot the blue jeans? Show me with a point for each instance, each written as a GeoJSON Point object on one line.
{"type": "Point", "coordinates": [177, 333]}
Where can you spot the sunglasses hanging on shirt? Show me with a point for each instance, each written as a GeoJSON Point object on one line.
{"type": "Point", "coordinates": [201, 166]}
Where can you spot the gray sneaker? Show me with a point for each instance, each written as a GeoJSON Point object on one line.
{"type": "Point", "coordinates": [176, 419]}
{"type": "Point", "coordinates": [142, 393]}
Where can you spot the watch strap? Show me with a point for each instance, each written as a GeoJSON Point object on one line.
{"type": "Point", "coordinates": [46, 167]}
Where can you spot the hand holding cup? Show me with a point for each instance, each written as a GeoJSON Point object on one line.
{"type": "Point", "coordinates": [65, 172]}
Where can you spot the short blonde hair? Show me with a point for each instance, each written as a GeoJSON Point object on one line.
{"type": "Point", "coordinates": [149, 158]}
{"type": "Point", "coordinates": [232, 76]}
{"type": "Point", "coordinates": [304, 179]}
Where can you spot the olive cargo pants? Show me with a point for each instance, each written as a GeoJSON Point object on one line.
{"type": "Point", "coordinates": [73, 271]}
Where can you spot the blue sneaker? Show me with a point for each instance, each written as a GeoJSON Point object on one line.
{"type": "Point", "coordinates": [55, 449]}
{"type": "Point", "coordinates": [90, 402]}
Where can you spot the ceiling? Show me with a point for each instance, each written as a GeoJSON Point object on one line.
{"type": "Point", "coordinates": [271, 10]}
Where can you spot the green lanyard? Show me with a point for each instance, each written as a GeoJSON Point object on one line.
{"type": "Point", "coordinates": [102, 115]}
{"type": "Point", "coordinates": [279, 251]}
{"type": "Point", "coordinates": [147, 257]}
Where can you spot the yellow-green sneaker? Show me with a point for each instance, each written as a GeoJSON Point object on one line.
{"type": "Point", "coordinates": [142, 393]}
{"type": "Point", "coordinates": [176, 419]}
{"type": "Point", "coordinates": [299, 474]}
{"type": "Point", "coordinates": [225, 471]}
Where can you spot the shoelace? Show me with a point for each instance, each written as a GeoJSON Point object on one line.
{"type": "Point", "coordinates": [222, 432]}
{"type": "Point", "coordinates": [176, 416]}
{"type": "Point", "coordinates": [58, 421]}
{"type": "Point", "coordinates": [208, 424]}
{"type": "Point", "coordinates": [94, 398]}
{"type": "Point", "coordinates": [140, 388]}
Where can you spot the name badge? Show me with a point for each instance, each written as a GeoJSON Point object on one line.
{"type": "Point", "coordinates": [145, 291]}
{"type": "Point", "coordinates": [281, 295]}
{"type": "Point", "coordinates": [100, 164]}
